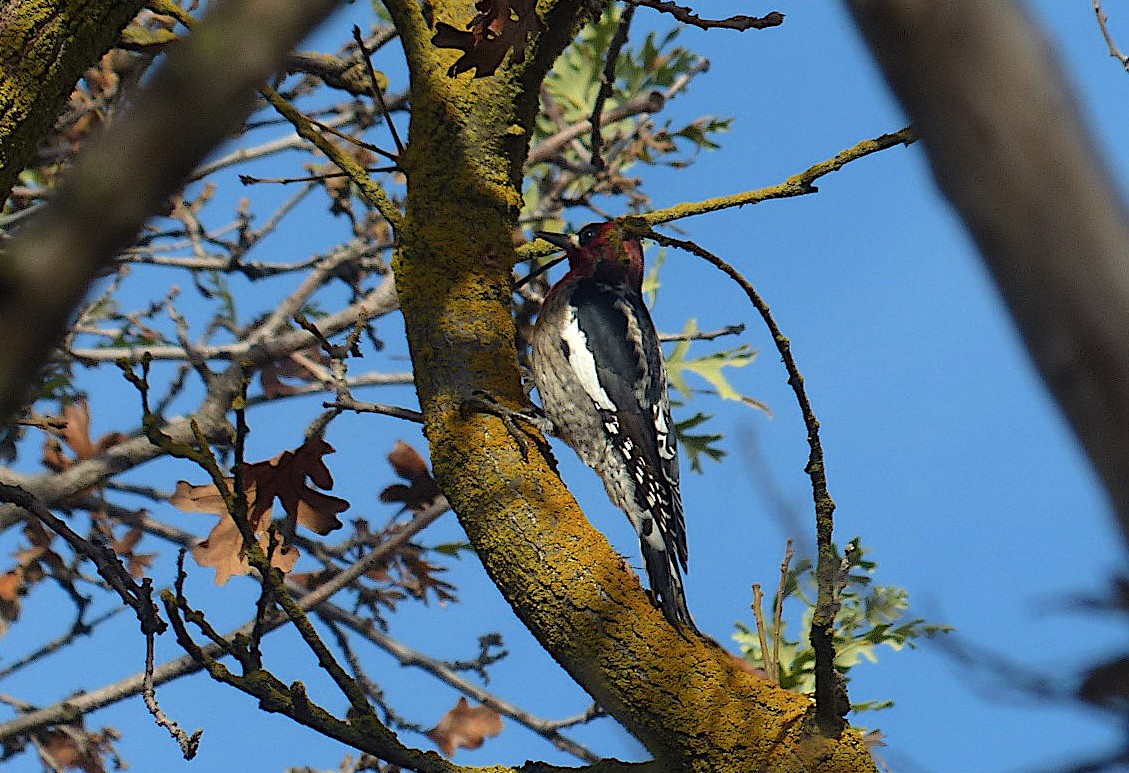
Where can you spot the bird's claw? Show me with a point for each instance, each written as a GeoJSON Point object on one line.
{"type": "Point", "coordinates": [481, 401]}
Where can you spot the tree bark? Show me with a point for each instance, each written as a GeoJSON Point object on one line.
{"type": "Point", "coordinates": [46, 46]}
{"type": "Point", "coordinates": [690, 702]}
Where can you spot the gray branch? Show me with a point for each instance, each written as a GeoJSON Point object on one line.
{"type": "Point", "coordinates": [1010, 151]}
{"type": "Point", "coordinates": [196, 100]}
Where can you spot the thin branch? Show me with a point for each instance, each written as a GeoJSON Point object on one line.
{"type": "Point", "coordinates": [778, 607]}
{"type": "Point", "coordinates": [131, 686]}
{"type": "Point", "coordinates": [84, 629]}
{"type": "Point", "coordinates": [347, 403]}
{"type": "Point", "coordinates": [1103, 24]}
{"type": "Point", "coordinates": [771, 668]}
{"type": "Point", "coordinates": [372, 192]}
{"type": "Point", "coordinates": [189, 744]}
{"type": "Point", "coordinates": [407, 656]}
{"type": "Point", "coordinates": [546, 149]}
{"type": "Point", "coordinates": [200, 96]}
{"type": "Point", "coordinates": [728, 330]}
{"type": "Point", "coordinates": [686, 15]}
{"type": "Point", "coordinates": [378, 302]}
{"type": "Point", "coordinates": [607, 84]}
{"type": "Point", "coordinates": [377, 92]}
{"type": "Point", "coordinates": [797, 185]}
{"type": "Point", "coordinates": [138, 596]}
{"type": "Point", "coordinates": [831, 700]}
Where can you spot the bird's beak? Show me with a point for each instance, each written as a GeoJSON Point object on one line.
{"type": "Point", "coordinates": [563, 241]}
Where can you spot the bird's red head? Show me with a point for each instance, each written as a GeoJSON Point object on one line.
{"type": "Point", "coordinates": [601, 252]}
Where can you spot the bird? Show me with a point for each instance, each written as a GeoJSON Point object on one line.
{"type": "Point", "coordinates": [598, 367]}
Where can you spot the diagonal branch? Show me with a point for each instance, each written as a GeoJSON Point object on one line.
{"type": "Point", "coordinates": [831, 700]}
{"type": "Point", "coordinates": [1010, 150]}
{"type": "Point", "coordinates": [686, 15]}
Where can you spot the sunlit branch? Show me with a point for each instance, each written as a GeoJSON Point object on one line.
{"type": "Point", "coordinates": [369, 189]}
{"type": "Point", "coordinates": [686, 15]}
{"type": "Point", "coordinates": [797, 185]}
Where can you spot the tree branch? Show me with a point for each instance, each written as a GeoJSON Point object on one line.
{"type": "Point", "coordinates": [1011, 152]}
{"type": "Point", "coordinates": [687, 16]}
{"type": "Point", "coordinates": [200, 96]}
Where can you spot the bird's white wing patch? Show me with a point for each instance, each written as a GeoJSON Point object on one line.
{"type": "Point", "coordinates": [583, 364]}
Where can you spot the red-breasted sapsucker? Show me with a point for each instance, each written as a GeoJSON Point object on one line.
{"type": "Point", "coordinates": [599, 369]}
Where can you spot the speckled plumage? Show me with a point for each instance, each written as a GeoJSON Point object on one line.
{"type": "Point", "coordinates": [599, 370]}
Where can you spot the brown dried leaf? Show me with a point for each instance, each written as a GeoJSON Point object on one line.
{"type": "Point", "coordinates": [465, 727]}
{"type": "Point", "coordinates": [223, 551]}
{"type": "Point", "coordinates": [125, 546]}
{"type": "Point", "coordinates": [76, 434]}
{"type": "Point", "coordinates": [501, 25]}
{"type": "Point", "coordinates": [419, 577]}
{"type": "Point", "coordinates": [223, 548]}
{"type": "Point", "coordinates": [284, 478]}
{"type": "Point", "coordinates": [271, 374]}
{"type": "Point", "coordinates": [74, 748]}
{"type": "Point", "coordinates": [409, 465]}
{"type": "Point", "coordinates": [12, 588]}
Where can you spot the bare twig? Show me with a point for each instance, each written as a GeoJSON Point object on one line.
{"type": "Point", "coordinates": [347, 403]}
{"type": "Point", "coordinates": [131, 686]}
{"type": "Point", "coordinates": [199, 96]}
{"type": "Point", "coordinates": [189, 744]}
{"type": "Point", "coordinates": [85, 629]}
{"type": "Point", "coordinates": [138, 596]}
{"type": "Point", "coordinates": [706, 335]}
{"type": "Point", "coordinates": [687, 16]}
{"type": "Point", "coordinates": [778, 607]}
{"type": "Point", "coordinates": [831, 700]}
{"type": "Point", "coordinates": [378, 93]}
{"type": "Point", "coordinates": [771, 668]}
{"type": "Point", "coordinates": [607, 84]}
{"type": "Point", "coordinates": [1103, 24]}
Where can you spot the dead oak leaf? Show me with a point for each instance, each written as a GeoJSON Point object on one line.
{"type": "Point", "coordinates": [465, 727]}
{"type": "Point", "coordinates": [76, 435]}
{"type": "Point", "coordinates": [72, 747]}
{"type": "Point", "coordinates": [410, 466]}
{"type": "Point", "coordinates": [125, 546]}
{"type": "Point", "coordinates": [501, 25]}
{"type": "Point", "coordinates": [284, 478]}
{"type": "Point", "coordinates": [223, 549]}
{"type": "Point", "coordinates": [293, 368]}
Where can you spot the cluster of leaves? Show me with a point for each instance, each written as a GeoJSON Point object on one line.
{"type": "Point", "coordinates": [871, 616]}
{"type": "Point", "coordinates": [568, 97]}
{"type": "Point", "coordinates": [283, 478]}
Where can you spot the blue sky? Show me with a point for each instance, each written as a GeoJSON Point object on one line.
{"type": "Point", "coordinates": [944, 451]}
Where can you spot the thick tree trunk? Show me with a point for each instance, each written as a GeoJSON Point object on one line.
{"type": "Point", "coordinates": [45, 47]}
{"type": "Point", "coordinates": [690, 702]}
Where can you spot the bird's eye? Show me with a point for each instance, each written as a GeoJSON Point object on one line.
{"type": "Point", "coordinates": [588, 233]}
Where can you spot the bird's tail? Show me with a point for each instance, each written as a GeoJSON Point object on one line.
{"type": "Point", "coordinates": [666, 585]}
